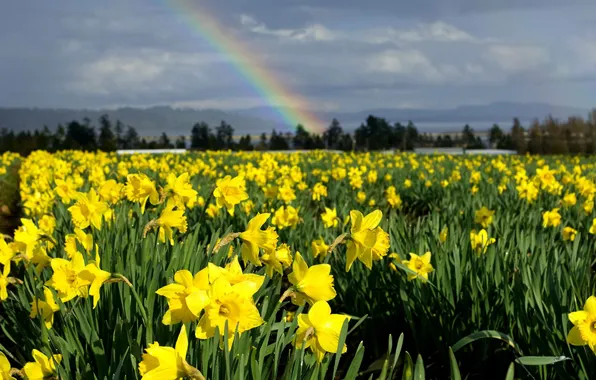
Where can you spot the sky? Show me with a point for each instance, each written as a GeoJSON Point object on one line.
{"type": "Point", "coordinates": [344, 55]}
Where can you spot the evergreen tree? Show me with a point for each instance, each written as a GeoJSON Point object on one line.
{"type": "Point", "coordinates": [200, 136]}
{"type": "Point", "coordinates": [333, 134]}
{"type": "Point", "coordinates": [107, 139]}
{"type": "Point", "coordinates": [181, 142]}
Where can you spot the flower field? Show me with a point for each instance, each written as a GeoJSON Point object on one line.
{"type": "Point", "coordinates": [222, 265]}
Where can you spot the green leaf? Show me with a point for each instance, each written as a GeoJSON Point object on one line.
{"type": "Point", "coordinates": [419, 370]}
{"type": "Point", "coordinates": [540, 360]}
{"type": "Point", "coordinates": [510, 372]}
{"type": "Point", "coordinates": [355, 365]}
{"type": "Point", "coordinates": [455, 375]}
{"type": "Point", "coordinates": [484, 335]}
{"type": "Point", "coordinates": [408, 372]}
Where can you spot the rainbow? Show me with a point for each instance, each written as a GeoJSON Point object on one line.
{"type": "Point", "coordinates": [248, 66]}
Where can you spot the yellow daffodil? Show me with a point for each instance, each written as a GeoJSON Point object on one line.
{"type": "Point", "coordinates": [420, 265]}
{"type": "Point", "coordinates": [593, 227]}
{"type": "Point", "coordinates": [4, 283]}
{"type": "Point", "coordinates": [45, 308]}
{"type": "Point", "coordinates": [319, 191]}
{"type": "Point", "coordinates": [320, 330]}
{"type": "Point", "coordinates": [179, 190]}
{"type": "Point", "coordinates": [233, 273]}
{"type": "Point", "coordinates": [443, 235]}
{"type": "Point", "coordinates": [187, 296]}
{"type": "Point", "coordinates": [569, 200]}
{"type": "Point", "coordinates": [168, 220]}
{"type": "Point", "coordinates": [111, 191]}
{"type": "Point", "coordinates": [231, 306]}
{"type": "Point", "coordinates": [168, 363]}
{"type": "Point", "coordinates": [43, 367]}
{"type": "Point", "coordinates": [484, 217]}
{"type": "Point", "coordinates": [319, 248]}
{"type": "Point", "coordinates": [66, 278]}
{"type": "Point", "coordinates": [480, 241]}
{"type": "Point", "coordinates": [285, 217]}
{"type": "Point", "coordinates": [277, 260]}
{"type": "Point", "coordinates": [569, 233]}
{"type": "Point", "coordinates": [330, 218]}
{"type": "Point", "coordinates": [139, 188]}
{"type": "Point", "coordinates": [366, 236]}
{"type": "Point", "coordinates": [93, 275]}
{"type": "Point", "coordinates": [66, 190]}
{"type": "Point", "coordinates": [5, 369]}
{"type": "Point", "coordinates": [230, 192]}
{"type": "Point", "coordinates": [584, 321]}
{"type": "Point", "coordinates": [88, 210]}
{"type": "Point", "coordinates": [312, 284]}
{"type": "Point", "coordinates": [254, 238]}
{"type": "Point", "coordinates": [551, 218]}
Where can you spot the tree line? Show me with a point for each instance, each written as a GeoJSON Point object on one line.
{"type": "Point", "coordinates": [550, 136]}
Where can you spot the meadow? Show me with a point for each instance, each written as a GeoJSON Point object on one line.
{"type": "Point", "coordinates": [318, 265]}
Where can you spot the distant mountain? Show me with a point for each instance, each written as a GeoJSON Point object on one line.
{"type": "Point", "coordinates": [466, 114]}
{"type": "Point", "coordinates": [178, 121]}
{"type": "Point", "coordinates": [147, 121]}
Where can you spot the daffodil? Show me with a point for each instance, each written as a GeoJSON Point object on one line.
{"type": "Point", "coordinates": [480, 241]}
{"type": "Point", "coordinates": [569, 233]}
{"type": "Point", "coordinates": [285, 217]}
{"type": "Point", "coordinates": [593, 227]}
{"type": "Point", "coordinates": [139, 188]}
{"type": "Point", "coordinates": [168, 363]}
{"type": "Point", "coordinates": [187, 296]}
{"type": "Point", "coordinates": [443, 235]}
{"type": "Point", "coordinates": [168, 220]}
{"type": "Point", "coordinates": [5, 368]}
{"type": "Point", "coordinates": [330, 218]}
{"type": "Point", "coordinates": [366, 235]}
{"type": "Point", "coordinates": [319, 191]}
{"type": "Point", "coordinates": [66, 190]}
{"type": "Point", "coordinates": [551, 218]}
{"type": "Point", "coordinates": [320, 330]}
{"type": "Point", "coordinates": [43, 367]}
{"type": "Point", "coordinates": [233, 273]}
{"type": "Point", "coordinates": [231, 306]}
{"type": "Point", "coordinates": [484, 217]}
{"type": "Point", "coordinates": [312, 284]}
{"type": "Point", "coordinates": [420, 265]}
{"type": "Point", "coordinates": [179, 190]}
{"type": "Point", "coordinates": [93, 275]}
{"type": "Point", "coordinates": [45, 308]}
{"type": "Point", "coordinates": [4, 283]}
{"type": "Point", "coordinates": [569, 200]}
{"type": "Point", "coordinates": [70, 243]}
{"type": "Point", "coordinates": [254, 238]}
{"type": "Point", "coordinates": [27, 237]}
{"type": "Point", "coordinates": [584, 325]}
{"type": "Point", "coordinates": [88, 210]}
{"type": "Point", "coordinates": [319, 248]}
{"type": "Point", "coordinates": [277, 260]}
{"type": "Point", "coordinates": [230, 192]}
{"type": "Point", "coordinates": [111, 191]}
{"type": "Point", "coordinates": [6, 252]}
{"type": "Point", "coordinates": [65, 278]}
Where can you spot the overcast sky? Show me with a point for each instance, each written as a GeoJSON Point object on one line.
{"type": "Point", "coordinates": [339, 54]}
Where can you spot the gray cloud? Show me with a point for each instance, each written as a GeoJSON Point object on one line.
{"type": "Point", "coordinates": [345, 54]}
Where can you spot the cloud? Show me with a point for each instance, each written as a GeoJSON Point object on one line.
{"type": "Point", "coordinates": [314, 32]}
{"type": "Point", "coordinates": [517, 58]}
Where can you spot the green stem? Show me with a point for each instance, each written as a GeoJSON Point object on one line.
{"type": "Point", "coordinates": [135, 295]}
